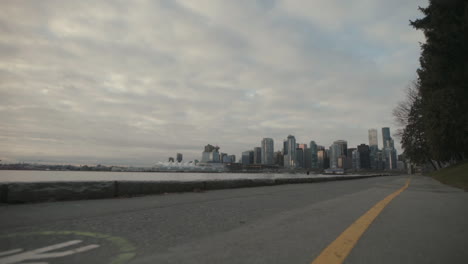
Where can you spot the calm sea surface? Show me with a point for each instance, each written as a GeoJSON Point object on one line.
{"type": "Point", "coordinates": [45, 176]}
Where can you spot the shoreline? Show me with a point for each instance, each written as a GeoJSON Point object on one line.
{"type": "Point", "coordinates": [32, 192]}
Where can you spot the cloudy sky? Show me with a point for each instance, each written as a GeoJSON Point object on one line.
{"type": "Point", "coordinates": [134, 82]}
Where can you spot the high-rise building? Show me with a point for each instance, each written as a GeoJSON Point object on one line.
{"type": "Point", "coordinates": [322, 158]}
{"type": "Point", "coordinates": [349, 158]}
{"type": "Point", "coordinates": [257, 155]}
{"type": "Point", "coordinates": [267, 151]}
{"type": "Point", "coordinates": [279, 159]}
{"type": "Point", "coordinates": [313, 155]}
{"type": "Point", "coordinates": [290, 157]}
{"type": "Point", "coordinates": [338, 149]}
{"type": "Point", "coordinates": [374, 148]}
{"type": "Point", "coordinates": [300, 157]}
{"type": "Point", "coordinates": [390, 155]}
{"type": "Point", "coordinates": [386, 138]}
{"type": "Point", "coordinates": [356, 159]}
{"type": "Point", "coordinates": [307, 158]}
{"type": "Point", "coordinates": [373, 139]}
{"type": "Point", "coordinates": [171, 159]}
{"type": "Point", "coordinates": [179, 157]}
{"type": "Point", "coordinates": [223, 157]}
{"type": "Point", "coordinates": [364, 156]}
{"type": "Point", "coordinates": [302, 146]}
{"type": "Point", "coordinates": [247, 157]}
{"type": "Point", "coordinates": [210, 154]}
{"type": "Point", "coordinates": [232, 158]}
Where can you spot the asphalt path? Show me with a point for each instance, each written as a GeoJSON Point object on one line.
{"type": "Point", "coordinates": [426, 223]}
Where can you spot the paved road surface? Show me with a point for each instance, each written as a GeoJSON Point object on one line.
{"type": "Point", "coordinates": [426, 223]}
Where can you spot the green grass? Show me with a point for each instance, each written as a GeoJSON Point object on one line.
{"type": "Point", "coordinates": [456, 175]}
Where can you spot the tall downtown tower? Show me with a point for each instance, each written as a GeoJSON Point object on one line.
{"type": "Point", "coordinates": [387, 139]}
{"type": "Point", "coordinates": [267, 151]}
{"type": "Point", "coordinates": [290, 152]}
{"type": "Point", "coordinates": [373, 140]}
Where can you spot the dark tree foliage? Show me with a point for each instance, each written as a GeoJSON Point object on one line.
{"type": "Point", "coordinates": [408, 114]}
{"type": "Point", "coordinates": [442, 82]}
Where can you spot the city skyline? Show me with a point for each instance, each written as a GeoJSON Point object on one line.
{"type": "Point", "coordinates": [290, 144]}
{"type": "Point", "coordinates": [296, 155]}
{"type": "Point", "coordinates": [87, 83]}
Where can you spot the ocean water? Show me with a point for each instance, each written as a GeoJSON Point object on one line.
{"type": "Point", "coordinates": [49, 176]}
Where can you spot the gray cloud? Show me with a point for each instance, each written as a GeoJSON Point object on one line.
{"type": "Point", "coordinates": [134, 83]}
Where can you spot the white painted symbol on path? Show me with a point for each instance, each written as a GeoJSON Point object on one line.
{"type": "Point", "coordinates": [41, 253]}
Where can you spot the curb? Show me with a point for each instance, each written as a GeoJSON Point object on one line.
{"type": "Point", "coordinates": [31, 192]}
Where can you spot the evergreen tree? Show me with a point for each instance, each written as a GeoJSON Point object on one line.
{"type": "Point", "coordinates": [443, 79]}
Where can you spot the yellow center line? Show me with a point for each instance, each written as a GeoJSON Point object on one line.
{"type": "Point", "coordinates": [339, 249]}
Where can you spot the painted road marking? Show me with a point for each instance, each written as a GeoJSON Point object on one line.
{"type": "Point", "coordinates": [41, 253]}
{"type": "Point", "coordinates": [126, 250]}
{"type": "Point", "coordinates": [9, 252]}
{"type": "Point", "coordinates": [339, 249]}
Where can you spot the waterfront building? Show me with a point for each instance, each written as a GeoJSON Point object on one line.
{"type": "Point", "coordinates": [374, 148]}
{"type": "Point", "coordinates": [356, 159]}
{"type": "Point", "coordinates": [171, 159]}
{"type": "Point", "coordinates": [373, 139]}
{"type": "Point", "coordinates": [364, 156]}
{"type": "Point", "coordinates": [210, 154]}
{"type": "Point", "coordinates": [223, 157]}
{"type": "Point", "coordinates": [387, 139]}
{"type": "Point", "coordinates": [307, 158]}
{"type": "Point", "coordinates": [267, 151]}
{"type": "Point", "coordinates": [300, 157]}
{"type": "Point", "coordinates": [232, 158]}
{"type": "Point", "coordinates": [179, 157]}
{"type": "Point", "coordinates": [390, 155]}
{"type": "Point", "coordinates": [302, 146]}
{"type": "Point", "coordinates": [247, 157]}
{"type": "Point", "coordinates": [313, 155]}
{"type": "Point", "coordinates": [278, 159]}
{"type": "Point", "coordinates": [257, 155]}
{"type": "Point", "coordinates": [290, 157]}
{"type": "Point", "coordinates": [341, 162]}
{"type": "Point", "coordinates": [321, 158]}
{"type": "Point", "coordinates": [285, 147]}
{"type": "Point", "coordinates": [337, 149]}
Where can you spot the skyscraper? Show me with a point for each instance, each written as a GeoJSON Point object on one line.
{"type": "Point", "coordinates": [290, 157]}
{"type": "Point", "coordinates": [257, 155]}
{"type": "Point", "coordinates": [342, 147]}
{"type": "Point", "coordinates": [373, 140]}
{"type": "Point", "coordinates": [386, 137]}
{"type": "Point", "coordinates": [388, 151]}
{"type": "Point", "coordinates": [267, 151]}
{"type": "Point", "coordinates": [179, 157]}
{"type": "Point", "coordinates": [338, 150]}
{"type": "Point", "coordinates": [374, 148]}
{"type": "Point", "coordinates": [313, 155]}
{"type": "Point", "coordinates": [364, 156]}
{"type": "Point", "coordinates": [279, 158]}
{"type": "Point", "coordinates": [300, 157]}
{"type": "Point", "coordinates": [322, 157]}
{"type": "Point", "coordinates": [356, 159]}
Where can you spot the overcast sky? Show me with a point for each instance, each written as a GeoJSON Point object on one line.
{"type": "Point", "coordinates": [134, 82]}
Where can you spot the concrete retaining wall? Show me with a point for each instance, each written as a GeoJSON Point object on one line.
{"type": "Point", "coordinates": [60, 191]}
